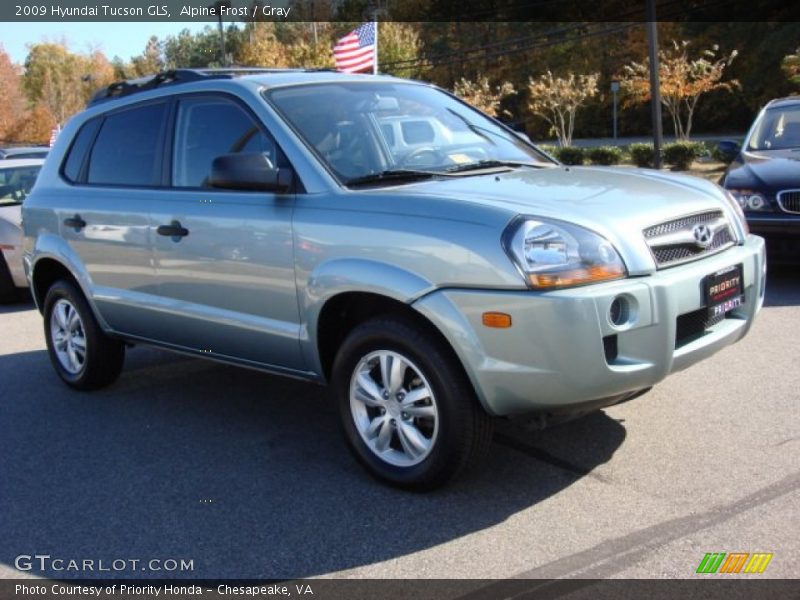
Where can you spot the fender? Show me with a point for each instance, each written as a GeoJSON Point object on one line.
{"type": "Point", "coordinates": [49, 246]}
{"type": "Point", "coordinates": [342, 275]}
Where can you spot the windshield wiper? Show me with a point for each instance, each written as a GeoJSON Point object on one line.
{"type": "Point", "coordinates": [489, 164]}
{"type": "Point", "coordinates": [392, 175]}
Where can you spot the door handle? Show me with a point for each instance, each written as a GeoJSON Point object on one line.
{"type": "Point", "coordinates": [75, 222]}
{"type": "Point", "coordinates": [174, 230]}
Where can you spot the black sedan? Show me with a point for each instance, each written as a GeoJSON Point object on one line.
{"type": "Point", "coordinates": [764, 177]}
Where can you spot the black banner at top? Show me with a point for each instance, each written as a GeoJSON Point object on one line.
{"type": "Point", "coordinates": [394, 10]}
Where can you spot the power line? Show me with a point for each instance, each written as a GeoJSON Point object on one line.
{"type": "Point", "coordinates": [540, 40]}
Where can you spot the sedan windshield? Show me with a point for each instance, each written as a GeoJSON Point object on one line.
{"type": "Point", "coordinates": [16, 183]}
{"type": "Point", "coordinates": [778, 129]}
{"type": "Point", "coordinates": [385, 132]}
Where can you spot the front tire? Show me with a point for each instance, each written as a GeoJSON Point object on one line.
{"type": "Point", "coordinates": [409, 414]}
{"type": "Point", "coordinates": [83, 356]}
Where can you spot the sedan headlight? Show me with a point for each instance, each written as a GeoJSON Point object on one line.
{"type": "Point", "coordinates": [553, 254]}
{"type": "Point", "coordinates": [736, 205]}
{"type": "Point", "coordinates": [750, 200]}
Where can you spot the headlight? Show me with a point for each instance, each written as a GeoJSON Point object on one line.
{"type": "Point", "coordinates": [554, 254]}
{"type": "Point", "coordinates": [750, 200]}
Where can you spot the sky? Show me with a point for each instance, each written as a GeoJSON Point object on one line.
{"type": "Point", "coordinates": [114, 39]}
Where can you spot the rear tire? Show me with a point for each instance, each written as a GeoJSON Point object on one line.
{"type": "Point", "coordinates": [409, 413]}
{"type": "Point", "coordinates": [83, 356]}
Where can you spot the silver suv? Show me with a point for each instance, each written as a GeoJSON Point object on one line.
{"type": "Point", "coordinates": [267, 219]}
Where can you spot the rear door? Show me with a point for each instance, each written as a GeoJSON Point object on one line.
{"type": "Point", "coordinates": [114, 165]}
{"type": "Point", "coordinates": [227, 280]}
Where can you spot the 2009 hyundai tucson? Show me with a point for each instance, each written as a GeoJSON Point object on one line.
{"type": "Point", "coordinates": [381, 236]}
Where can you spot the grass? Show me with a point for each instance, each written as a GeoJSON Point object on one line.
{"type": "Point", "coordinates": [711, 170]}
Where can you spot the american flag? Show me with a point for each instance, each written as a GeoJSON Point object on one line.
{"type": "Point", "coordinates": [355, 52]}
{"type": "Point", "coordinates": [54, 134]}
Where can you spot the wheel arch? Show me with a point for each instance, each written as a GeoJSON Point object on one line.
{"type": "Point", "coordinates": [345, 311]}
{"type": "Point", "coordinates": [45, 271]}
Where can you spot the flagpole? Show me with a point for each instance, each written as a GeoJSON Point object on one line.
{"type": "Point", "coordinates": [375, 62]}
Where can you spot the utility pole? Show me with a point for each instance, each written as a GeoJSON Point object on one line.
{"type": "Point", "coordinates": [614, 90]}
{"type": "Point", "coordinates": [218, 6]}
{"type": "Point", "coordinates": [655, 84]}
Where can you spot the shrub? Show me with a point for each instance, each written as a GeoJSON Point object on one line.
{"type": "Point", "coordinates": [642, 155]}
{"type": "Point", "coordinates": [605, 155]}
{"type": "Point", "coordinates": [681, 154]}
{"type": "Point", "coordinates": [570, 155]}
{"type": "Point", "coordinates": [550, 149]}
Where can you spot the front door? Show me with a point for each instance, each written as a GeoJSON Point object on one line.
{"type": "Point", "coordinates": [224, 259]}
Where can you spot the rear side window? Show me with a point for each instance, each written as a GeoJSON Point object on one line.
{"type": "Point", "coordinates": [79, 150]}
{"type": "Point", "coordinates": [128, 147]}
{"type": "Point", "coordinates": [417, 132]}
{"type": "Point", "coordinates": [208, 127]}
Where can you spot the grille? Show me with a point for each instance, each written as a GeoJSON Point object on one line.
{"type": "Point", "coordinates": [789, 201]}
{"type": "Point", "coordinates": [691, 326]}
{"type": "Point", "coordinates": [673, 242]}
{"type": "Point", "coordinates": [685, 252]}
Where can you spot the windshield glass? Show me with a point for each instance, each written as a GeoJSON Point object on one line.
{"type": "Point", "coordinates": [362, 129]}
{"type": "Point", "coordinates": [16, 183]}
{"type": "Point", "coordinates": [778, 129]}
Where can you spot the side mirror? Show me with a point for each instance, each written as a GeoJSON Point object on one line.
{"type": "Point", "coordinates": [249, 171]}
{"type": "Point", "coordinates": [729, 149]}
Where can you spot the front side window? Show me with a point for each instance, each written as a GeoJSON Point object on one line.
{"type": "Point", "coordinates": [359, 129]}
{"type": "Point", "coordinates": [128, 147]}
{"type": "Point", "coordinates": [208, 127]}
{"type": "Point", "coordinates": [777, 129]}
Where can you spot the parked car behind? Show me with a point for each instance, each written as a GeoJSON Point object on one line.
{"type": "Point", "coordinates": [764, 177]}
{"type": "Point", "coordinates": [436, 282]}
{"type": "Point", "coordinates": [17, 177]}
{"type": "Point", "coordinates": [23, 152]}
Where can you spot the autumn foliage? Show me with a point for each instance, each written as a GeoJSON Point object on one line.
{"type": "Point", "coordinates": [683, 82]}
{"type": "Point", "coordinates": [483, 95]}
{"type": "Point", "coordinates": [557, 100]}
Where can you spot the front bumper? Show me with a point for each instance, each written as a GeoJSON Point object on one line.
{"type": "Point", "coordinates": [782, 233]}
{"type": "Point", "coordinates": [554, 356]}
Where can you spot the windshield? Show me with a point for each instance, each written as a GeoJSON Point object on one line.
{"type": "Point", "coordinates": [777, 129]}
{"type": "Point", "coordinates": [16, 183]}
{"type": "Point", "coordinates": [364, 129]}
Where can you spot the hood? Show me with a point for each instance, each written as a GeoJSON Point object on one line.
{"type": "Point", "coordinates": [768, 171]}
{"type": "Point", "coordinates": [12, 213]}
{"type": "Point", "coordinates": [618, 203]}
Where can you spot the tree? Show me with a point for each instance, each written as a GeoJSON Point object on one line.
{"type": "Point", "coordinates": [53, 77]}
{"type": "Point", "coordinates": [557, 100]}
{"type": "Point", "coordinates": [482, 95]}
{"type": "Point", "coordinates": [791, 66]}
{"type": "Point", "coordinates": [261, 47]}
{"type": "Point", "coordinates": [12, 99]}
{"type": "Point", "coordinates": [150, 61]}
{"type": "Point", "coordinates": [398, 42]}
{"type": "Point", "coordinates": [683, 81]}
{"type": "Point", "coordinates": [34, 127]}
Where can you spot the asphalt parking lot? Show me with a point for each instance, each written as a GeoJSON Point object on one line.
{"type": "Point", "coordinates": [245, 474]}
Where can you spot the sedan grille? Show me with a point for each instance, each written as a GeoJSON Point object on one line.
{"type": "Point", "coordinates": [688, 238]}
{"type": "Point", "coordinates": [789, 201]}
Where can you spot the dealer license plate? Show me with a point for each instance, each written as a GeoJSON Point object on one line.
{"type": "Point", "coordinates": [724, 290]}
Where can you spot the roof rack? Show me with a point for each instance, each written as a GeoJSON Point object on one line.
{"type": "Point", "coordinates": [175, 76]}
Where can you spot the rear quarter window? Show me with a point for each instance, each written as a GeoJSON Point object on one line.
{"type": "Point", "coordinates": [76, 157]}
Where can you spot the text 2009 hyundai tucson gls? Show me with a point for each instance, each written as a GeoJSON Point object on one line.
{"type": "Point", "coordinates": [383, 237]}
